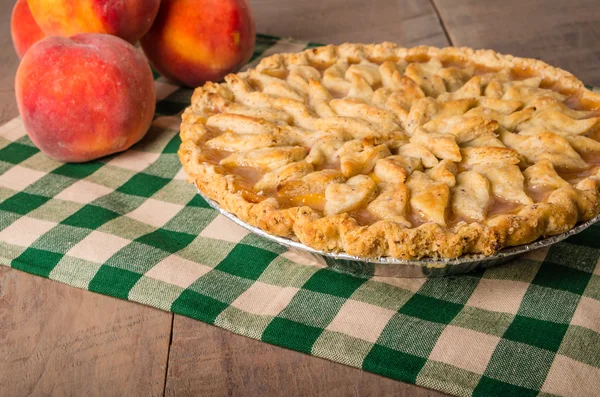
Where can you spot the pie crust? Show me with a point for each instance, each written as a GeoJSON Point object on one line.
{"type": "Point", "coordinates": [379, 150]}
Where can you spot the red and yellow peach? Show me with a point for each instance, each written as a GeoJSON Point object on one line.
{"type": "Point", "coordinates": [85, 97]}
{"type": "Point", "coordinates": [24, 30]}
{"type": "Point", "coordinates": [129, 19]}
{"type": "Point", "coordinates": [194, 41]}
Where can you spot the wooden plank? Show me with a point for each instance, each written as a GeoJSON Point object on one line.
{"type": "Point", "coordinates": [62, 341]}
{"type": "Point", "coordinates": [208, 361]}
{"type": "Point", "coordinates": [562, 33]}
{"type": "Point", "coordinates": [407, 22]}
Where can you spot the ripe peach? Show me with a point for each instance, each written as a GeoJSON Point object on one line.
{"type": "Point", "coordinates": [85, 97]}
{"type": "Point", "coordinates": [23, 28]}
{"type": "Point", "coordinates": [194, 41]}
{"type": "Point", "coordinates": [128, 19]}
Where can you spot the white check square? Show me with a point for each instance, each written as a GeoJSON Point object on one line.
{"type": "Point", "coordinates": [134, 160]}
{"type": "Point", "coordinates": [361, 320]}
{"type": "Point", "coordinates": [265, 299]}
{"type": "Point", "coordinates": [97, 247]}
{"type": "Point", "coordinates": [18, 177]}
{"type": "Point", "coordinates": [178, 271]}
{"type": "Point", "coordinates": [464, 348]}
{"type": "Point", "coordinates": [222, 228]}
{"type": "Point", "coordinates": [83, 192]}
{"type": "Point", "coordinates": [587, 314]}
{"type": "Point", "coordinates": [154, 212]}
{"type": "Point", "coordinates": [498, 295]}
{"type": "Point", "coordinates": [571, 378]}
{"type": "Point", "coordinates": [24, 231]}
{"type": "Point", "coordinates": [13, 130]}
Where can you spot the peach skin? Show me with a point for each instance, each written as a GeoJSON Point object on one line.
{"type": "Point", "coordinates": [128, 19]}
{"type": "Point", "coordinates": [85, 97]}
{"type": "Point", "coordinates": [23, 28]}
{"type": "Point", "coordinates": [194, 41]}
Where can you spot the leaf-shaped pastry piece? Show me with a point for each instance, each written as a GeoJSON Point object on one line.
{"type": "Point", "coordinates": [543, 174]}
{"type": "Point", "coordinates": [350, 196]}
{"type": "Point", "coordinates": [383, 120]}
{"type": "Point", "coordinates": [499, 105]}
{"type": "Point", "coordinates": [444, 172]}
{"type": "Point", "coordinates": [528, 94]}
{"type": "Point", "coordinates": [391, 204]}
{"type": "Point", "coordinates": [428, 199]}
{"type": "Point", "coordinates": [472, 196]}
{"type": "Point", "coordinates": [241, 124]}
{"type": "Point", "coordinates": [334, 81]}
{"type": "Point", "coordinates": [507, 182]}
{"type": "Point", "coordinates": [424, 74]}
{"type": "Point", "coordinates": [443, 146]}
{"type": "Point", "coordinates": [489, 140]}
{"type": "Point", "coordinates": [509, 121]}
{"type": "Point", "coordinates": [550, 103]}
{"type": "Point", "coordinates": [463, 128]}
{"type": "Point", "coordinates": [300, 75]}
{"type": "Point", "coordinates": [419, 152]}
{"type": "Point", "coordinates": [395, 169]}
{"type": "Point", "coordinates": [584, 145]}
{"type": "Point", "coordinates": [231, 141]}
{"type": "Point", "coordinates": [292, 171]}
{"type": "Point", "coordinates": [362, 162]}
{"type": "Point", "coordinates": [489, 155]}
{"type": "Point", "coordinates": [268, 159]}
{"type": "Point", "coordinates": [404, 98]}
{"type": "Point", "coordinates": [455, 78]}
{"type": "Point", "coordinates": [471, 89]}
{"type": "Point", "coordinates": [558, 123]}
{"type": "Point", "coordinates": [313, 183]}
{"type": "Point", "coordinates": [318, 99]}
{"type": "Point", "coordinates": [545, 145]}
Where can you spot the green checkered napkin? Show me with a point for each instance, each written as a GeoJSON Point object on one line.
{"type": "Point", "coordinates": [130, 226]}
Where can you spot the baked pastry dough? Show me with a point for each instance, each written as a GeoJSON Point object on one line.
{"type": "Point", "coordinates": [379, 150]}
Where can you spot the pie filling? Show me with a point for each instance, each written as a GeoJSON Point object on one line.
{"type": "Point", "coordinates": [410, 140]}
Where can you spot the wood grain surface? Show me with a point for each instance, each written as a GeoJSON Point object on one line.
{"type": "Point", "coordinates": [58, 340]}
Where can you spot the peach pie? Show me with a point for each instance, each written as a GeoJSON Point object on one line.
{"type": "Point", "coordinates": [378, 150]}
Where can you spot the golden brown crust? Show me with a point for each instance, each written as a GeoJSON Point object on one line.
{"type": "Point", "coordinates": [558, 212]}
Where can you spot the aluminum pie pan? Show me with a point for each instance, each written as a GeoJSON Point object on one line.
{"type": "Point", "coordinates": [404, 268]}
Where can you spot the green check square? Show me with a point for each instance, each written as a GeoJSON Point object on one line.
{"type": "Point", "coordinates": [543, 334]}
{"type": "Point", "coordinates": [7, 218]}
{"type": "Point", "coordinates": [155, 140]}
{"type": "Point", "coordinates": [120, 203]}
{"type": "Point", "coordinates": [90, 217]}
{"type": "Point", "coordinates": [41, 162]}
{"type": "Point", "coordinates": [576, 256]}
{"type": "Point", "coordinates": [60, 239]}
{"type": "Point", "coordinates": [410, 335]}
{"type": "Point", "coordinates": [337, 284]}
{"type": "Point", "coordinates": [204, 250]}
{"type": "Point", "coordinates": [173, 145]}
{"type": "Point", "coordinates": [6, 193]}
{"type": "Point", "coordinates": [113, 281]}
{"type": "Point", "coordinates": [221, 286]}
{"type": "Point", "coordinates": [110, 176]}
{"type": "Point", "coordinates": [8, 252]}
{"type": "Point", "coordinates": [243, 323]}
{"type": "Point", "coordinates": [191, 220]}
{"type": "Point", "coordinates": [78, 171]}
{"type": "Point", "coordinates": [155, 293]}
{"type": "Point", "coordinates": [199, 202]}
{"type": "Point", "coordinates": [519, 364]}
{"type": "Point", "coordinates": [257, 241]}
{"type": "Point", "coordinates": [382, 295]}
{"type": "Point", "coordinates": [35, 261]}
{"type": "Point", "coordinates": [127, 228]}
{"type": "Point", "coordinates": [49, 185]}
{"type": "Point", "coordinates": [168, 108]}
{"type": "Point", "coordinates": [481, 320]}
{"type": "Point", "coordinates": [586, 239]}
{"type": "Point", "coordinates": [520, 269]}
{"type": "Point", "coordinates": [447, 378]}
{"type": "Point", "coordinates": [549, 304]}
{"type": "Point", "coordinates": [312, 308]}
{"type": "Point", "coordinates": [556, 276]}
{"type": "Point", "coordinates": [167, 240]}
{"type": "Point", "coordinates": [285, 273]}
{"type": "Point", "coordinates": [136, 257]}
{"type": "Point", "coordinates": [246, 261]}
{"type": "Point", "coordinates": [291, 334]}
{"type": "Point", "coordinates": [450, 289]}
{"type": "Point", "coordinates": [16, 153]}
{"type": "Point", "coordinates": [143, 185]}
{"type": "Point", "coordinates": [22, 203]}
{"type": "Point", "coordinates": [341, 348]}
{"type": "Point", "coordinates": [74, 271]}
{"type": "Point", "coordinates": [431, 309]}
{"type": "Point", "coordinates": [166, 166]}
{"type": "Point", "coordinates": [176, 192]}
{"type": "Point", "coordinates": [593, 287]}
{"type": "Point", "coordinates": [393, 364]}
{"type": "Point", "coordinates": [55, 210]}
{"type": "Point", "coordinates": [581, 344]}
{"type": "Point", "coordinates": [197, 306]}
{"type": "Point", "coordinates": [491, 387]}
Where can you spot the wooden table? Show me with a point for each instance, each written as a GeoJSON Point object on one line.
{"type": "Point", "coordinates": [58, 340]}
